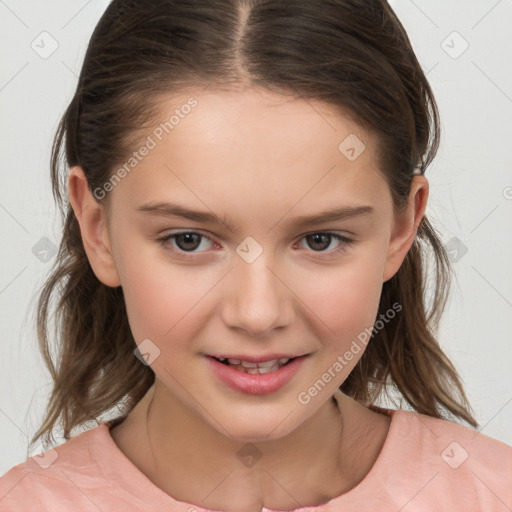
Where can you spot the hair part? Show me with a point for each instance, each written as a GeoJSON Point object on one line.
{"type": "Point", "coordinates": [352, 55]}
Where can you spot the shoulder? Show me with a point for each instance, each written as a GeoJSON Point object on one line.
{"type": "Point", "coordinates": [455, 461]}
{"type": "Point", "coordinates": [62, 472]}
{"type": "Point", "coordinates": [456, 443]}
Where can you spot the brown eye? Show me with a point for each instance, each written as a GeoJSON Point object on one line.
{"type": "Point", "coordinates": [319, 242]}
{"type": "Point", "coordinates": [186, 241]}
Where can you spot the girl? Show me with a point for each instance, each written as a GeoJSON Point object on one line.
{"type": "Point", "coordinates": [242, 276]}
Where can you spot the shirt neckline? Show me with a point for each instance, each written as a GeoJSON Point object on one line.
{"type": "Point", "coordinates": [109, 457]}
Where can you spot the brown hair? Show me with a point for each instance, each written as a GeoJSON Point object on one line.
{"type": "Point", "coordinates": [351, 54]}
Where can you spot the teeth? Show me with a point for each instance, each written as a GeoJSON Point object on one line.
{"type": "Point", "coordinates": [267, 364]}
{"type": "Point", "coordinates": [269, 369]}
{"type": "Point", "coordinates": [260, 370]}
{"type": "Point", "coordinates": [263, 364]}
{"type": "Point", "coordinates": [247, 364]}
{"type": "Point", "coordinates": [256, 368]}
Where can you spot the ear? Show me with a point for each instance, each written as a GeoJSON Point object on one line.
{"type": "Point", "coordinates": [406, 226]}
{"type": "Point", "coordinates": [91, 217]}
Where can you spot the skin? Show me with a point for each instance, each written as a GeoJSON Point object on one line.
{"type": "Point", "coordinates": [261, 159]}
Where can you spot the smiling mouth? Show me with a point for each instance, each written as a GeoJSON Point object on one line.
{"type": "Point", "coordinates": [255, 368]}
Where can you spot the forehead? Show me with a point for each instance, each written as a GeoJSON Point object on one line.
{"type": "Point", "coordinates": [257, 117]}
{"type": "Point", "coordinates": [240, 144]}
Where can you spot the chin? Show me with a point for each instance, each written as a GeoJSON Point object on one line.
{"type": "Point", "coordinates": [257, 427]}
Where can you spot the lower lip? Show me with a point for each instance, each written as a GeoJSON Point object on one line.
{"type": "Point", "coordinates": [255, 384]}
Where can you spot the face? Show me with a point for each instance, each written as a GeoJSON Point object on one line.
{"type": "Point", "coordinates": [263, 281]}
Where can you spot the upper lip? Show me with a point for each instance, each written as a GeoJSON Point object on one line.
{"type": "Point", "coordinates": [255, 359]}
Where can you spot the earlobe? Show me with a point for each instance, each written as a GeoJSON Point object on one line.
{"type": "Point", "coordinates": [406, 227]}
{"type": "Point", "coordinates": [91, 217]}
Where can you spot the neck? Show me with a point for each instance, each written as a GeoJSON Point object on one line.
{"type": "Point", "coordinates": [315, 462]}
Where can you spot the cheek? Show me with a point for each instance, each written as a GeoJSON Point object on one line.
{"type": "Point", "coordinates": [163, 300]}
{"type": "Point", "coordinates": [347, 302]}
{"type": "Point", "coordinates": [345, 299]}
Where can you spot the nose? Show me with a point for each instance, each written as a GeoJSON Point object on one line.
{"type": "Point", "coordinates": [259, 301]}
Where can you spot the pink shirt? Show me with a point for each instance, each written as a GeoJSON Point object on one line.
{"type": "Point", "coordinates": [426, 464]}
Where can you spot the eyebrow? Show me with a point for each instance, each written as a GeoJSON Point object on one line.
{"type": "Point", "coordinates": [171, 209]}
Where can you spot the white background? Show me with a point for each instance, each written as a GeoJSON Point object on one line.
{"type": "Point", "coordinates": [470, 189]}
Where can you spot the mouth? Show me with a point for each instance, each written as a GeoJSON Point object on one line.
{"type": "Point", "coordinates": [255, 368]}
{"type": "Point", "coordinates": [257, 377]}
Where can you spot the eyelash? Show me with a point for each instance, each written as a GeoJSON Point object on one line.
{"type": "Point", "coordinates": [346, 242]}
